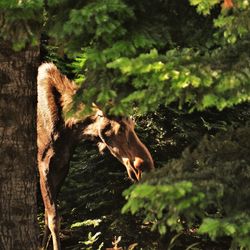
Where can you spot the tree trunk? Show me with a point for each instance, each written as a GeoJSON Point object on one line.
{"type": "Point", "coordinates": [18, 211]}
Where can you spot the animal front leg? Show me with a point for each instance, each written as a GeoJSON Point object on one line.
{"type": "Point", "coordinates": [54, 227]}
{"type": "Point", "coordinates": [51, 226]}
{"type": "Point", "coordinates": [51, 215]}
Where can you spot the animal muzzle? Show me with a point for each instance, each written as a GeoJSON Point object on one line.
{"type": "Point", "coordinates": [137, 166]}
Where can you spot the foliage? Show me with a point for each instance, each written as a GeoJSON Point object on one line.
{"type": "Point", "coordinates": [165, 58]}
{"type": "Point", "coordinates": [108, 30]}
{"type": "Point", "coordinates": [234, 26]}
{"type": "Point", "coordinates": [135, 57]}
{"type": "Point", "coordinates": [237, 226]}
{"type": "Point", "coordinates": [208, 189]}
{"type": "Point", "coordinates": [176, 77]}
{"type": "Point", "coordinates": [95, 223]}
{"type": "Point", "coordinates": [21, 22]}
{"type": "Point", "coordinates": [128, 53]}
{"type": "Point", "coordinates": [182, 198]}
{"type": "Point", "coordinates": [91, 240]}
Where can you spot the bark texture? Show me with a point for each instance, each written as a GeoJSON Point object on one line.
{"type": "Point", "coordinates": [18, 216]}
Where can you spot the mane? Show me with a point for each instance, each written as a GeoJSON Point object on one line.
{"type": "Point", "coordinates": [55, 94]}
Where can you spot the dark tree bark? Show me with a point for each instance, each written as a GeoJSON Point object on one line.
{"type": "Point", "coordinates": [18, 213]}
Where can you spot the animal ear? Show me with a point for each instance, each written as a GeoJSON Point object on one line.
{"type": "Point", "coordinates": [99, 113]}
{"type": "Point", "coordinates": [97, 110]}
{"type": "Point", "coordinates": [101, 147]}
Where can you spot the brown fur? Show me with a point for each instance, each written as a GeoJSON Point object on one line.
{"type": "Point", "coordinates": [57, 138]}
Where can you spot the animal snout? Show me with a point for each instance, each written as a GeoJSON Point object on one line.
{"type": "Point", "coordinates": [138, 162]}
{"type": "Point", "coordinates": [143, 165]}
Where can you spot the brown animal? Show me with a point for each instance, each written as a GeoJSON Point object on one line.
{"type": "Point", "coordinates": [58, 136]}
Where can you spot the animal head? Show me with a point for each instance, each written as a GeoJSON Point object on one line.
{"type": "Point", "coordinates": [118, 136]}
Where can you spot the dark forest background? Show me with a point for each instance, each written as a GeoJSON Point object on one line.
{"type": "Point", "coordinates": [182, 70]}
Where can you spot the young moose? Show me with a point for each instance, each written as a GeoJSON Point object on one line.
{"type": "Point", "coordinates": [58, 136]}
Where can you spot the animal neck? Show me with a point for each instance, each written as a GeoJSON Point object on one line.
{"type": "Point", "coordinates": [85, 128]}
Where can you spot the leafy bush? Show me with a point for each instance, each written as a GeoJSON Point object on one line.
{"type": "Point", "coordinates": [137, 59]}
{"type": "Point", "coordinates": [144, 54]}
{"type": "Point", "coordinates": [206, 190]}
{"type": "Point", "coordinates": [180, 199]}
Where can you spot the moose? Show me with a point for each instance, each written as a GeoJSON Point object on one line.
{"type": "Point", "coordinates": [57, 136]}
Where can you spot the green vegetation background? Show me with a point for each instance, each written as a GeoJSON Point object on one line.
{"type": "Point", "coordinates": [183, 69]}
